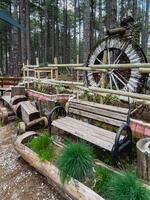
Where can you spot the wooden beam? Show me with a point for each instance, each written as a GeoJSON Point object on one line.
{"type": "Point", "coordinates": [116, 92]}
{"type": "Point", "coordinates": [66, 65]}
{"type": "Point", "coordinates": [119, 66]}
{"type": "Point", "coordinates": [89, 69]}
{"type": "Point", "coordinates": [144, 70]}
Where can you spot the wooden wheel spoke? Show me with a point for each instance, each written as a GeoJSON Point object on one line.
{"type": "Point", "coordinates": [110, 81]}
{"type": "Point", "coordinates": [115, 83]}
{"type": "Point", "coordinates": [108, 56]}
{"type": "Point", "coordinates": [122, 51]}
{"type": "Point", "coordinates": [122, 77]}
{"type": "Point", "coordinates": [99, 60]}
{"type": "Point", "coordinates": [119, 79]}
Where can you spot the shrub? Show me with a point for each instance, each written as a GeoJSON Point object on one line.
{"type": "Point", "coordinates": [75, 160]}
{"type": "Point", "coordinates": [101, 180]}
{"type": "Point", "coordinates": [128, 187]}
{"type": "Point", "coordinates": [42, 145]}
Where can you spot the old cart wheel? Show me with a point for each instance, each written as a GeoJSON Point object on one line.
{"type": "Point", "coordinates": [117, 50]}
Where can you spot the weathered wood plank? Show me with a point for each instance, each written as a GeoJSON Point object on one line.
{"type": "Point", "coordinates": [29, 112]}
{"type": "Point", "coordinates": [108, 113]}
{"type": "Point", "coordinates": [85, 133]}
{"type": "Point", "coordinates": [18, 90]}
{"type": "Point", "coordinates": [102, 106]}
{"type": "Point", "coordinates": [97, 117]}
{"type": "Point", "coordinates": [89, 128]}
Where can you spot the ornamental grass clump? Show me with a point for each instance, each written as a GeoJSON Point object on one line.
{"type": "Point", "coordinates": [102, 179]}
{"type": "Point", "coordinates": [128, 187]}
{"type": "Point", "coordinates": [43, 146]}
{"type": "Point", "coordinates": [75, 160]}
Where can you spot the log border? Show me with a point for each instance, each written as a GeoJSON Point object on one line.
{"type": "Point", "coordinates": [73, 189]}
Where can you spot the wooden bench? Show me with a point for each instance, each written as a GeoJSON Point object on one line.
{"type": "Point", "coordinates": [115, 142]}
{"type": "Point", "coordinates": [9, 81]}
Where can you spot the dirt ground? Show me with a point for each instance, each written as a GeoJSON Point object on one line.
{"type": "Point", "coordinates": [19, 181]}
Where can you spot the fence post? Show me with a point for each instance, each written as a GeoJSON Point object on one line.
{"type": "Point", "coordinates": [56, 74]}
{"type": "Point", "coordinates": [77, 77]}
{"type": "Point", "coordinates": [56, 70]}
{"type": "Point", "coordinates": [28, 81]}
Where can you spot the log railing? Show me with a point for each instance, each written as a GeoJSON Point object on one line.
{"type": "Point", "coordinates": [79, 68]}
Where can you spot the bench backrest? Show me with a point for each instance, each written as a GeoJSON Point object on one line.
{"type": "Point", "coordinates": [9, 81]}
{"type": "Point", "coordinates": [112, 115]}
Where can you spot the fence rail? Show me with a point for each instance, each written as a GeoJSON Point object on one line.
{"type": "Point", "coordinates": [53, 70]}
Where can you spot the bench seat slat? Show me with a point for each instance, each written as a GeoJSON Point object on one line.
{"type": "Point", "coordinates": [107, 113]}
{"type": "Point", "coordinates": [90, 129]}
{"type": "Point", "coordinates": [103, 106]}
{"type": "Point", "coordinates": [97, 117]}
{"type": "Point", "coordinates": [90, 133]}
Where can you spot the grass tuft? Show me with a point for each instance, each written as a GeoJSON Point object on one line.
{"type": "Point", "coordinates": [128, 187]}
{"type": "Point", "coordinates": [75, 160]}
{"type": "Point", "coordinates": [101, 180]}
{"type": "Point", "coordinates": [43, 146]}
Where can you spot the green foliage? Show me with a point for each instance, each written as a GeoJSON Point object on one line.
{"type": "Point", "coordinates": [45, 64]}
{"type": "Point", "coordinates": [128, 187]}
{"type": "Point", "coordinates": [85, 96]}
{"type": "Point", "coordinates": [117, 187]}
{"type": "Point", "coordinates": [111, 100]}
{"type": "Point", "coordinates": [91, 97]}
{"type": "Point", "coordinates": [101, 180]}
{"type": "Point", "coordinates": [43, 146]}
{"type": "Point", "coordinates": [75, 160]}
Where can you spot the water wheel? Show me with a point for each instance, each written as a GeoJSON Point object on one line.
{"type": "Point", "coordinates": [116, 49]}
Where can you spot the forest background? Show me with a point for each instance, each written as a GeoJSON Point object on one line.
{"type": "Point", "coordinates": [64, 29]}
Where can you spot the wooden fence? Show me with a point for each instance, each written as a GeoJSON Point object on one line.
{"type": "Point", "coordinates": [53, 70]}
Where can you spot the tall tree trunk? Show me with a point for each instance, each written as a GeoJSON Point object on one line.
{"type": "Point", "coordinates": [80, 19]}
{"type": "Point", "coordinates": [23, 33]}
{"type": "Point", "coordinates": [46, 33]}
{"type": "Point", "coordinates": [65, 32]}
{"type": "Point", "coordinates": [28, 31]}
{"type": "Point", "coordinates": [75, 32]}
{"type": "Point", "coordinates": [100, 20]}
{"type": "Point", "coordinates": [53, 32]}
{"type": "Point", "coordinates": [92, 24]}
{"type": "Point", "coordinates": [135, 8]}
{"type": "Point", "coordinates": [15, 44]}
{"type": "Point", "coordinates": [111, 14]}
{"type": "Point", "coordinates": [86, 35]}
{"type": "Point", "coordinates": [86, 30]}
{"type": "Point", "coordinates": [122, 9]}
{"type": "Point", "coordinates": [57, 31]}
{"type": "Point", "coordinates": [145, 28]}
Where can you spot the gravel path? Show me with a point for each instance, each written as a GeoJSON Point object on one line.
{"type": "Point", "coordinates": [19, 181]}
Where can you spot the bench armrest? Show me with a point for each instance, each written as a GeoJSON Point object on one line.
{"type": "Point", "coordinates": [124, 144]}
{"type": "Point", "coordinates": [55, 109]}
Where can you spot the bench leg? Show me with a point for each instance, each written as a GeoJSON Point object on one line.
{"type": "Point", "coordinates": [130, 155]}
{"type": "Point", "coordinates": [115, 160]}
